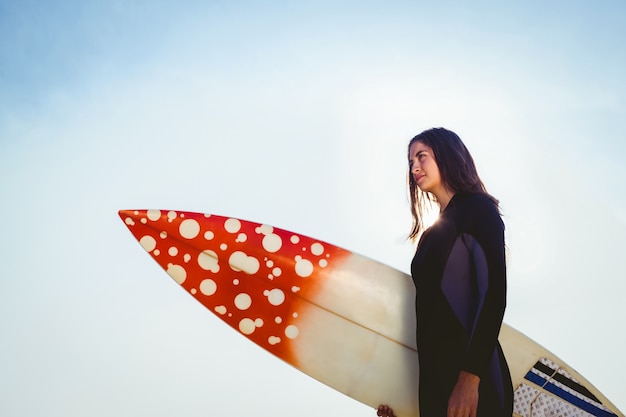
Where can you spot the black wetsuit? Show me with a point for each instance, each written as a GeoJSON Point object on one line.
{"type": "Point", "coordinates": [460, 278]}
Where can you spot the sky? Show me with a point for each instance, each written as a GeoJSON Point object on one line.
{"type": "Point", "coordinates": [295, 114]}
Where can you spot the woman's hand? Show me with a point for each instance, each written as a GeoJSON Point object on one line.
{"type": "Point", "coordinates": [384, 411]}
{"type": "Point", "coordinates": [463, 401]}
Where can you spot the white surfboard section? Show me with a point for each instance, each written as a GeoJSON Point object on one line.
{"type": "Point", "coordinates": [360, 339]}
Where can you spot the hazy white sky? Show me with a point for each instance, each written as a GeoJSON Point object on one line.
{"type": "Point", "coordinates": [295, 114]}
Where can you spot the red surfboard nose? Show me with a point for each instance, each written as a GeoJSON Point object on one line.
{"type": "Point", "coordinates": [257, 278]}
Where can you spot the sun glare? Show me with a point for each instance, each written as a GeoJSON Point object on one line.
{"type": "Point", "coordinates": [430, 215]}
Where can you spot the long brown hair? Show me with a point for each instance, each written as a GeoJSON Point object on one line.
{"type": "Point", "coordinates": [456, 167]}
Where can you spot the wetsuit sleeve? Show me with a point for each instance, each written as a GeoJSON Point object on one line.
{"type": "Point", "coordinates": [488, 259]}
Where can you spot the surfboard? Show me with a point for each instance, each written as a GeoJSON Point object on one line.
{"type": "Point", "coordinates": [342, 318]}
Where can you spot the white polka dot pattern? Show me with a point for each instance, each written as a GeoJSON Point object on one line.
{"type": "Point", "coordinates": [257, 278]}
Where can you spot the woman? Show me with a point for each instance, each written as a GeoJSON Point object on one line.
{"type": "Point", "coordinates": [460, 278]}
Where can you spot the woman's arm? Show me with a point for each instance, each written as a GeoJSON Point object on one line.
{"type": "Point", "coordinates": [487, 251]}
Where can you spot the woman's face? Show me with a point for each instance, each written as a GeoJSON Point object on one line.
{"type": "Point", "coordinates": [424, 169]}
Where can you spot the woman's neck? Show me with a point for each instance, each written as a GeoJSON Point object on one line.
{"type": "Point", "coordinates": [443, 198]}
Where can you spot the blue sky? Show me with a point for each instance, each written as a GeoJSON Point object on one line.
{"type": "Point", "coordinates": [295, 114]}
